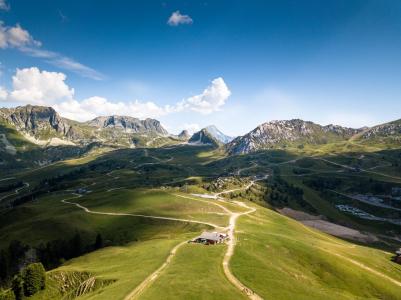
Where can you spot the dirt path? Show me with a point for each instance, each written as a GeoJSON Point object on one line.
{"type": "Point", "coordinates": [363, 266]}
{"type": "Point", "coordinates": [227, 257]}
{"type": "Point", "coordinates": [87, 210]}
{"type": "Point", "coordinates": [152, 277]}
{"type": "Point", "coordinates": [361, 170]}
{"type": "Point", "coordinates": [230, 251]}
{"type": "Point", "coordinates": [231, 238]}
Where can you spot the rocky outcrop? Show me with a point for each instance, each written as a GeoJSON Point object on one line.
{"type": "Point", "coordinates": [35, 119]}
{"type": "Point", "coordinates": [391, 130]}
{"type": "Point", "coordinates": [129, 124]}
{"type": "Point", "coordinates": [218, 135]}
{"type": "Point", "coordinates": [278, 133]}
{"type": "Point", "coordinates": [184, 135]}
{"type": "Point", "coordinates": [41, 124]}
{"type": "Point", "coordinates": [203, 137]}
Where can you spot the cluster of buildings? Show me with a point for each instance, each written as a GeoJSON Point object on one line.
{"type": "Point", "coordinates": [354, 211]}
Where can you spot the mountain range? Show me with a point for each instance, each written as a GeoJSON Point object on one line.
{"type": "Point", "coordinates": [44, 127]}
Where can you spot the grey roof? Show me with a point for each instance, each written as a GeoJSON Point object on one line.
{"type": "Point", "coordinates": [213, 236]}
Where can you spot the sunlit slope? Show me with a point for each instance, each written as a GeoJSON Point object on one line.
{"type": "Point", "coordinates": [195, 273]}
{"type": "Point", "coordinates": [280, 258]}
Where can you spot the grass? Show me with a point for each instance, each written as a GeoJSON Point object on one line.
{"type": "Point", "coordinates": [196, 273]}
{"type": "Point", "coordinates": [279, 258]}
{"type": "Point", "coordinates": [128, 266]}
{"type": "Point", "coordinates": [275, 256]}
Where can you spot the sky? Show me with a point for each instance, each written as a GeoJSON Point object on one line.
{"type": "Point", "coordinates": [189, 64]}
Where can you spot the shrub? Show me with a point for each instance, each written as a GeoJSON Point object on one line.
{"type": "Point", "coordinates": [34, 279]}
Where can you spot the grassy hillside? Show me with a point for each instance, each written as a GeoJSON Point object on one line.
{"type": "Point", "coordinates": [140, 201]}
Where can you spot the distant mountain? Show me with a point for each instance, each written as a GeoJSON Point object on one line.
{"type": "Point", "coordinates": [43, 124]}
{"type": "Point", "coordinates": [218, 135]}
{"type": "Point", "coordinates": [384, 133]}
{"type": "Point", "coordinates": [128, 124]}
{"type": "Point", "coordinates": [38, 121]}
{"type": "Point", "coordinates": [210, 135]}
{"type": "Point", "coordinates": [184, 135]}
{"type": "Point", "coordinates": [204, 137]}
{"type": "Point", "coordinates": [280, 133]}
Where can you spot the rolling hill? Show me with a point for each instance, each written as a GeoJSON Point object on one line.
{"type": "Point", "coordinates": [116, 224]}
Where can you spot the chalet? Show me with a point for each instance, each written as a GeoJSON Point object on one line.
{"type": "Point", "coordinates": [211, 238]}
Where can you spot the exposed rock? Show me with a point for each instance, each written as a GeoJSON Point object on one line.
{"type": "Point", "coordinates": [218, 135]}
{"type": "Point", "coordinates": [128, 124]}
{"type": "Point", "coordinates": [184, 135]}
{"type": "Point", "coordinates": [203, 137]}
{"type": "Point", "coordinates": [391, 130]}
{"type": "Point", "coordinates": [34, 119]}
{"type": "Point", "coordinates": [277, 133]}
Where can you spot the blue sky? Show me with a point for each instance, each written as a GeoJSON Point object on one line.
{"type": "Point", "coordinates": [328, 62]}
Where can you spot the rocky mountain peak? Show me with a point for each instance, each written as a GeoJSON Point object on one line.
{"type": "Point", "coordinates": [128, 124]}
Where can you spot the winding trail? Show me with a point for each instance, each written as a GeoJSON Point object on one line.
{"type": "Point", "coordinates": [361, 170]}
{"type": "Point", "coordinates": [152, 277]}
{"type": "Point", "coordinates": [230, 231]}
{"type": "Point", "coordinates": [87, 210]}
{"type": "Point", "coordinates": [230, 251]}
{"type": "Point", "coordinates": [16, 192]}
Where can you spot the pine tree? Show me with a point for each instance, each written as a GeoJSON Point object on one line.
{"type": "Point", "coordinates": [3, 265]}
{"type": "Point", "coordinates": [99, 241]}
{"type": "Point", "coordinates": [76, 245]}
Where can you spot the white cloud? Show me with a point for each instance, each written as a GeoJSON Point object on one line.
{"type": "Point", "coordinates": [4, 5]}
{"type": "Point", "coordinates": [3, 94]}
{"type": "Point", "coordinates": [191, 128]}
{"type": "Point", "coordinates": [15, 37]}
{"type": "Point", "coordinates": [211, 100]}
{"type": "Point", "coordinates": [34, 86]}
{"type": "Point", "coordinates": [39, 87]}
{"type": "Point", "coordinates": [177, 18]}
{"type": "Point", "coordinates": [19, 38]}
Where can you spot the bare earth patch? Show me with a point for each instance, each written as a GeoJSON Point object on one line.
{"type": "Point", "coordinates": [317, 222]}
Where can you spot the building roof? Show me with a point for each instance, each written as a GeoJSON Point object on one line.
{"type": "Point", "coordinates": [212, 236]}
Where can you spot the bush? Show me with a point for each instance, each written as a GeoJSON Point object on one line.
{"type": "Point", "coordinates": [34, 279]}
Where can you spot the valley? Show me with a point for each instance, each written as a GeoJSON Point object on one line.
{"type": "Point", "coordinates": [115, 222]}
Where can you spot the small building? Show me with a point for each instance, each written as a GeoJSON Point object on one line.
{"type": "Point", "coordinates": [211, 238]}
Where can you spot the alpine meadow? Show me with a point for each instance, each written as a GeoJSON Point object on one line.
{"type": "Point", "coordinates": [200, 149]}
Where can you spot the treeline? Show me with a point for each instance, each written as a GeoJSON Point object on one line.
{"type": "Point", "coordinates": [322, 183]}
{"type": "Point", "coordinates": [280, 193]}
{"type": "Point", "coordinates": [51, 254]}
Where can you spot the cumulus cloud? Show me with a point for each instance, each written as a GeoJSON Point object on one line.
{"type": "Point", "coordinates": [177, 18]}
{"type": "Point", "coordinates": [19, 38]}
{"type": "Point", "coordinates": [4, 5]}
{"type": "Point", "coordinates": [212, 98]}
{"type": "Point", "coordinates": [34, 86]}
